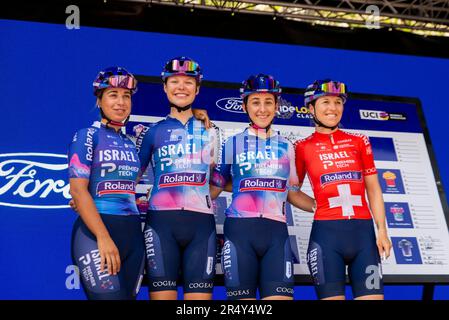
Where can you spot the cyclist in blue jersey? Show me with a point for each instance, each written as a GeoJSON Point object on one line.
{"type": "Point", "coordinates": [180, 232]}
{"type": "Point", "coordinates": [261, 164]}
{"type": "Point", "coordinates": [107, 240]}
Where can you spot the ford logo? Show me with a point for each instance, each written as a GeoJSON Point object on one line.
{"type": "Point", "coordinates": [34, 180]}
{"type": "Point", "coordinates": [230, 104]}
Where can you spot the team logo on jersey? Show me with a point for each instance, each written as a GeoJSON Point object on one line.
{"type": "Point", "coordinates": [182, 178]}
{"type": "Point", "coordinates": [263, 184]}
{"type": "Point", "coordinates": [116, 187]}
{"type": "Point", "coordinates": [337, 177]}
{"type": "Point", "coordinates": [175, 137]}
{"type": "Point", "coordinates": [89, 143]}
{"type": "Point", "coordinates": [334, 156]}
{"type": "Point", "coordinates": [34, 180]}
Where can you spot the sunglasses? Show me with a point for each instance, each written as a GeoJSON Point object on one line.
{"type": "Point", "coordinates": [184, 66]}
{"type": "Point", "coordinates": [122, 81]}
{"type": "Point", "coordinates": [333, 87]}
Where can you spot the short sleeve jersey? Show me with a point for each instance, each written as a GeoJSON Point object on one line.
{"type": "Point", "coordinates": [336, 165]}
{"type": "Point", "coordinates": [181, 157]}
{"type": "Point", "coordinates": [109, 160]}
{"type": "Point", "coordinates": [262, 172]}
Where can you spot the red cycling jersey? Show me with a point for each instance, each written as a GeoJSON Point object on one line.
{"type": "Point", "coordinates": [336, 165]}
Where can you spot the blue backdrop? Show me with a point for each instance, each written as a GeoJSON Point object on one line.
{"type": "Point", "coordinates": [46, 76]}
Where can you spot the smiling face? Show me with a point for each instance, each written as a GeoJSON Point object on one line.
{"type": "Point", "coordinates": [328, 110]}
{"type": "Point", "coordinates": [181, 90]}
{"type": "Point", "coordinates": [261, 108]}
{"type": "Point", "coordinates": [115, 103]}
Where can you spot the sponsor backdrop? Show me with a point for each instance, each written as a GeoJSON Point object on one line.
{"type": "Point", "coordinates": [46, 90]}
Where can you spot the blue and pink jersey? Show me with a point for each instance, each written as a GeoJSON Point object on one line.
{"type": "Point", "coordinates": [109, 160]}
{"type": "Point", "coordinates": [181, 157]}
{"type": "Point", "coordinates": [262, 173]}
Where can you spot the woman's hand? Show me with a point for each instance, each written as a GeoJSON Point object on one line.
{"type": "Point", "coordinates": [201, 114]}
{"type": "Point", "coordinates": [109, 254]}
{"type": "Point", "coordinates": [72, 205]}
{"type": "Point", "coordinates": [383, 244]}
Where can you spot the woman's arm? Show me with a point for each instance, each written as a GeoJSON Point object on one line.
{"type": "Point", "coordinates": [228, 186]}
{"type": "Point", "coordinates": [214, 191]}
{"type": "Point", "coordinates": [301, 200]}
{"type": "Point", "coordinates": [376, 203]}
{"type": "Point", "coordinates": [88, 211]}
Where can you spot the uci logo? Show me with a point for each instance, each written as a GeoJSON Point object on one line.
{"type": "Point", "coordinates": [230, 104]}
{"type": "Point", "coordinates": [374, 115]}
{"type": "Point", "coordinates": [34, 180]}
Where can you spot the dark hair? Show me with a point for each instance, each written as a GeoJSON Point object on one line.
{"type": "Point", "coordinates": [100, 94]}
{"type": "Point", "coordinates": [313, 102]}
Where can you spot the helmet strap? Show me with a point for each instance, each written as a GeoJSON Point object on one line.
{"type": "Point", "coordinates": [320, 124]}
{"type": "Point", "coordinates": [255, 126]}
{"type": "Point", "coordinates": [110, 122]}
{"type": "Point", "coordinates": [180, 109]}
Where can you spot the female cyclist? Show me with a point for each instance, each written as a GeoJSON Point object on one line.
{"type": "Point", "coordinates": [107, 240]}
{"type": "Point", "coordinates": [180, 232]}
{"type": "Point", "coordinates": [257, 252]}
{"type": "Point", "coordinates": [340, 167]}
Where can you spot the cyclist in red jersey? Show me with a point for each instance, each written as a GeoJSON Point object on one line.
{"type": "Point", "coordinates": [340, 167]}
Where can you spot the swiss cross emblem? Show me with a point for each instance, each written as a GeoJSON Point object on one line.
{"type": "Point", "coordinates": [345, 200]}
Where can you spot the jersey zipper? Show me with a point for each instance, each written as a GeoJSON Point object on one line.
{"type": "Point", "coordinates": [331, 137]}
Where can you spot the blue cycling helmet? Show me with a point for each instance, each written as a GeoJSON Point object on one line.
{"type": "Point", "coordinates": [182, 66]}
{"type": "Point", "coordinates": [327, 87]}
{"type": "Point", "coordinates": [260, 83]}
{"type": "Point", "coordinates": [114, 77]}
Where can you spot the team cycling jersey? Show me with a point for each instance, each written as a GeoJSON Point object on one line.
{"type": "Point", "coordinates": [262, 171]}
{"type": "Point", "coordinates": [109, 160]}
{"type": "Point", "coordinates": [181, 158]}
{"type": "Point", "coordinates": [336, 165]}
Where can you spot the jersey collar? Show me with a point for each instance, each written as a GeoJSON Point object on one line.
{"type": "Point", "coordinates": [99, 125]}
{"type": "Point", "coordinates": [326, 136]}
{"type": "Point", "coordinates": [274, 133]}
{"type": "Point", "coordinates": [170, 118]}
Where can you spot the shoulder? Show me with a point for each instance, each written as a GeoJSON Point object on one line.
{"type": "Point", "coordinates": [147, 129]}
{"type": "Point", "coordinates": [358, 136]}
{"type": "Point", "coordinates": [155, 125]}
{"type": "Point", "coordinates": [131, 139]}
{"type": "Point", "coordinates": [301, 142]}
{"type": "Point", "coordinates": [239, 136]}
{"type": "Point", "coordinates": [214, 129]}
{"type": "Point", "coordinates": [285, 141]}
{"type": "Point", "coordinates": [232, 140]}
{"type": "Point", "coordinates": [84, 134]}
